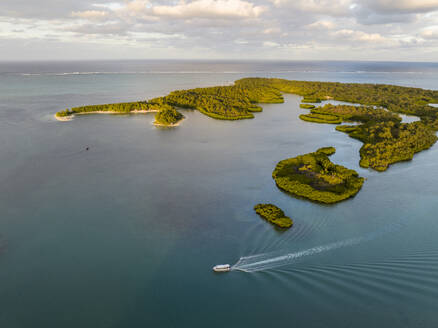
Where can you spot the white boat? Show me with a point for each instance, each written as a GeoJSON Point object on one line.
{"type": "Point", "coordinates": [222, 268]}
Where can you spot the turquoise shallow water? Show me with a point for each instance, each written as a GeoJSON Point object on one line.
{"type": "Point", "coordinates": [125, 234]}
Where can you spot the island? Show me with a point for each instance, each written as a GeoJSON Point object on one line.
{"type": "Point", "coordinates": [307, 106]}
{"type": "Point", "coordinates": [316, 117]}
{"type": "Point", "coordinates": [327, 150]}
{"type": "Point", "coordinates": [274, 215]}
{"type": "Point", "coordinates": [390, 142]}
{"type": "Point", "coordinates": [315, 177]}
{"type": "Point", "coordinates": [386, 140]}
{"type": "Point", "coordinates": [336, 114]}
{"type": "Point", "coordinates": [168, 116]}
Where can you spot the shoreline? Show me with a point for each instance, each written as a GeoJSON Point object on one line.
{"type": "Point", "coordinates": [169, 125]}
{"type": "Point", "coordinates": [64, 118]}
{"type": "Point", "coordinates": [71, 117]}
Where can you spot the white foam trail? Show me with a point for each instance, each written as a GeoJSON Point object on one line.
{"type": "Point", "coordinates": [258, 263]}
{"type": "Point", "coordinates": [267, 261]}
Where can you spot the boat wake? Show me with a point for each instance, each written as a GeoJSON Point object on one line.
{"type": "Point", "coordinates": [265, 261]}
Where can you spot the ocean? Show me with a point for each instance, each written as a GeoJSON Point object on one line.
{"type": "Point", "coordinates": [126, 233]}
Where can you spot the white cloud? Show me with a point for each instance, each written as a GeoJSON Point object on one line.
{"type": "Point", "coordinates": [360, 36]}
{"type": "Point", "coordinates": [90, 14]}
{"type": "Point", "coordinates": [322, 25]}
{"type": "Point", "coordinates": [210, 9]}
{"type": "Point", "coordinates": [272, 30]}
{"type": "Point", "coordinates": [109, 5]}
{"type": "Point", "coordinates": [239, 41]}
{"type": "Point", "coordinates": [430, 33]}
{"type": "Point", "coordinates": [327, 7]}
{"type": "Point", "coordinates": [270, 44]}
{"type": "Point", "coordinates": [323, 29]}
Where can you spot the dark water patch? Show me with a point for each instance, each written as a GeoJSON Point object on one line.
{"type": "Point", "coordinates": [3, 245]}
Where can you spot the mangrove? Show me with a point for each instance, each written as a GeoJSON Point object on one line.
{"type": "Point", "coordinates": [168, 116]}
{"type": "Point", "coordinates": [386, 140]}
{"type": "Point", "coordinates": [274, 215]}
{"type": "Point", "coordinates": [315, 177]}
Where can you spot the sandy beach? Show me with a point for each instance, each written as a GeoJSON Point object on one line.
{"type": "Point", "coordinates": [169, 125]}
{"type": "Point", "coordinates": [64, 118]}
{"type": "Point", "coordinates": [69, 118]}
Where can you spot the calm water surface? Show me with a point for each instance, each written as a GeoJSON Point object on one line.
{"type": "Point", "coordinates": [125, 234]}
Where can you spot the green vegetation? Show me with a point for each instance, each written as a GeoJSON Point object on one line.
{"type": "Point", "coordinates": [227, 103]}
{"type": "Point", "coordinates": [321, 118]}
{"type": "Point", "coordinates": [389, 142]}
{"type": "Point", "coordinates": [168, 116]}
{"type": "Point", "coordinates": [327, 150]}
{"type": "Point", "coordinates": [274, 215]}
{"type": "Point", "coordinates": [346, 128]}
{"type": "Point", "coordinates": [309, 99]}
{"type": "Point", "coordinates": [239, 101]}
{"type": "Point", "coordinates": [315, 177]}
{"type": "Point", "coordinates": [362, 114]}
{"type": "Point", "coordinates": [122, 108]}
{"type": "Point", "coordinates": [336, 114]}
{"type": "Point", "coordinates": [118, 108]}
{"type": "Point", "coordinates": [64, 113]}
{"type": "Point", "coordinates": [411, 101]}
{"type": "Point", "coordinates": [386, 140]}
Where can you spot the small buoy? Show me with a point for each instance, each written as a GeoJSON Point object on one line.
{"type": "Point", "coordinates": [87, 148]}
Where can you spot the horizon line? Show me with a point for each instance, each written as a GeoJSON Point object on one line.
{"type": "Point", "coordinates": [214, 60]}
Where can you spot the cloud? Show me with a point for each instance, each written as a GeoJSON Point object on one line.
{"type": "Point", "coordinates": [371, 12]}
{"type": "Point", "coordinates": [366, 12]}
{"type": "Point", "coordinates": [272, 30]}
{"type": "Point", "coordinates": [270, 44]}
{"type": "Point", "coordinates": [110, 5]}
{"type": "Point", "coordinates": [430, 33]}
{"type": "Point", "coordinates": [45, 9]}
{"type": "Point", "coordinates": [322, 25]}
{"type": "Point", "coordinates": [305, 29]}
{"type": "Point", "coordinates": [401, 6]}
{"type": "Point", "coordinates": [212, 9]}
{"type": "Point", "coordinates": [326, 7]}
{"type": "Point", "coordinates": [361, 36]}
{"type": "Point", "coordinates": [102, 29]}
{"type": "Point", "coordinates": [90, 14]}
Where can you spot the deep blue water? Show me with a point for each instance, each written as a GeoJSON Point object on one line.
{"type": "Point", "coordinates": [125, 234]}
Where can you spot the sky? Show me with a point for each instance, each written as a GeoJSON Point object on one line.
{"type": "Point", "coordinates": [393, 30]}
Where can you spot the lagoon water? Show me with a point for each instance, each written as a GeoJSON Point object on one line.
{"type": "Point", "coordinates": [126, 234]}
